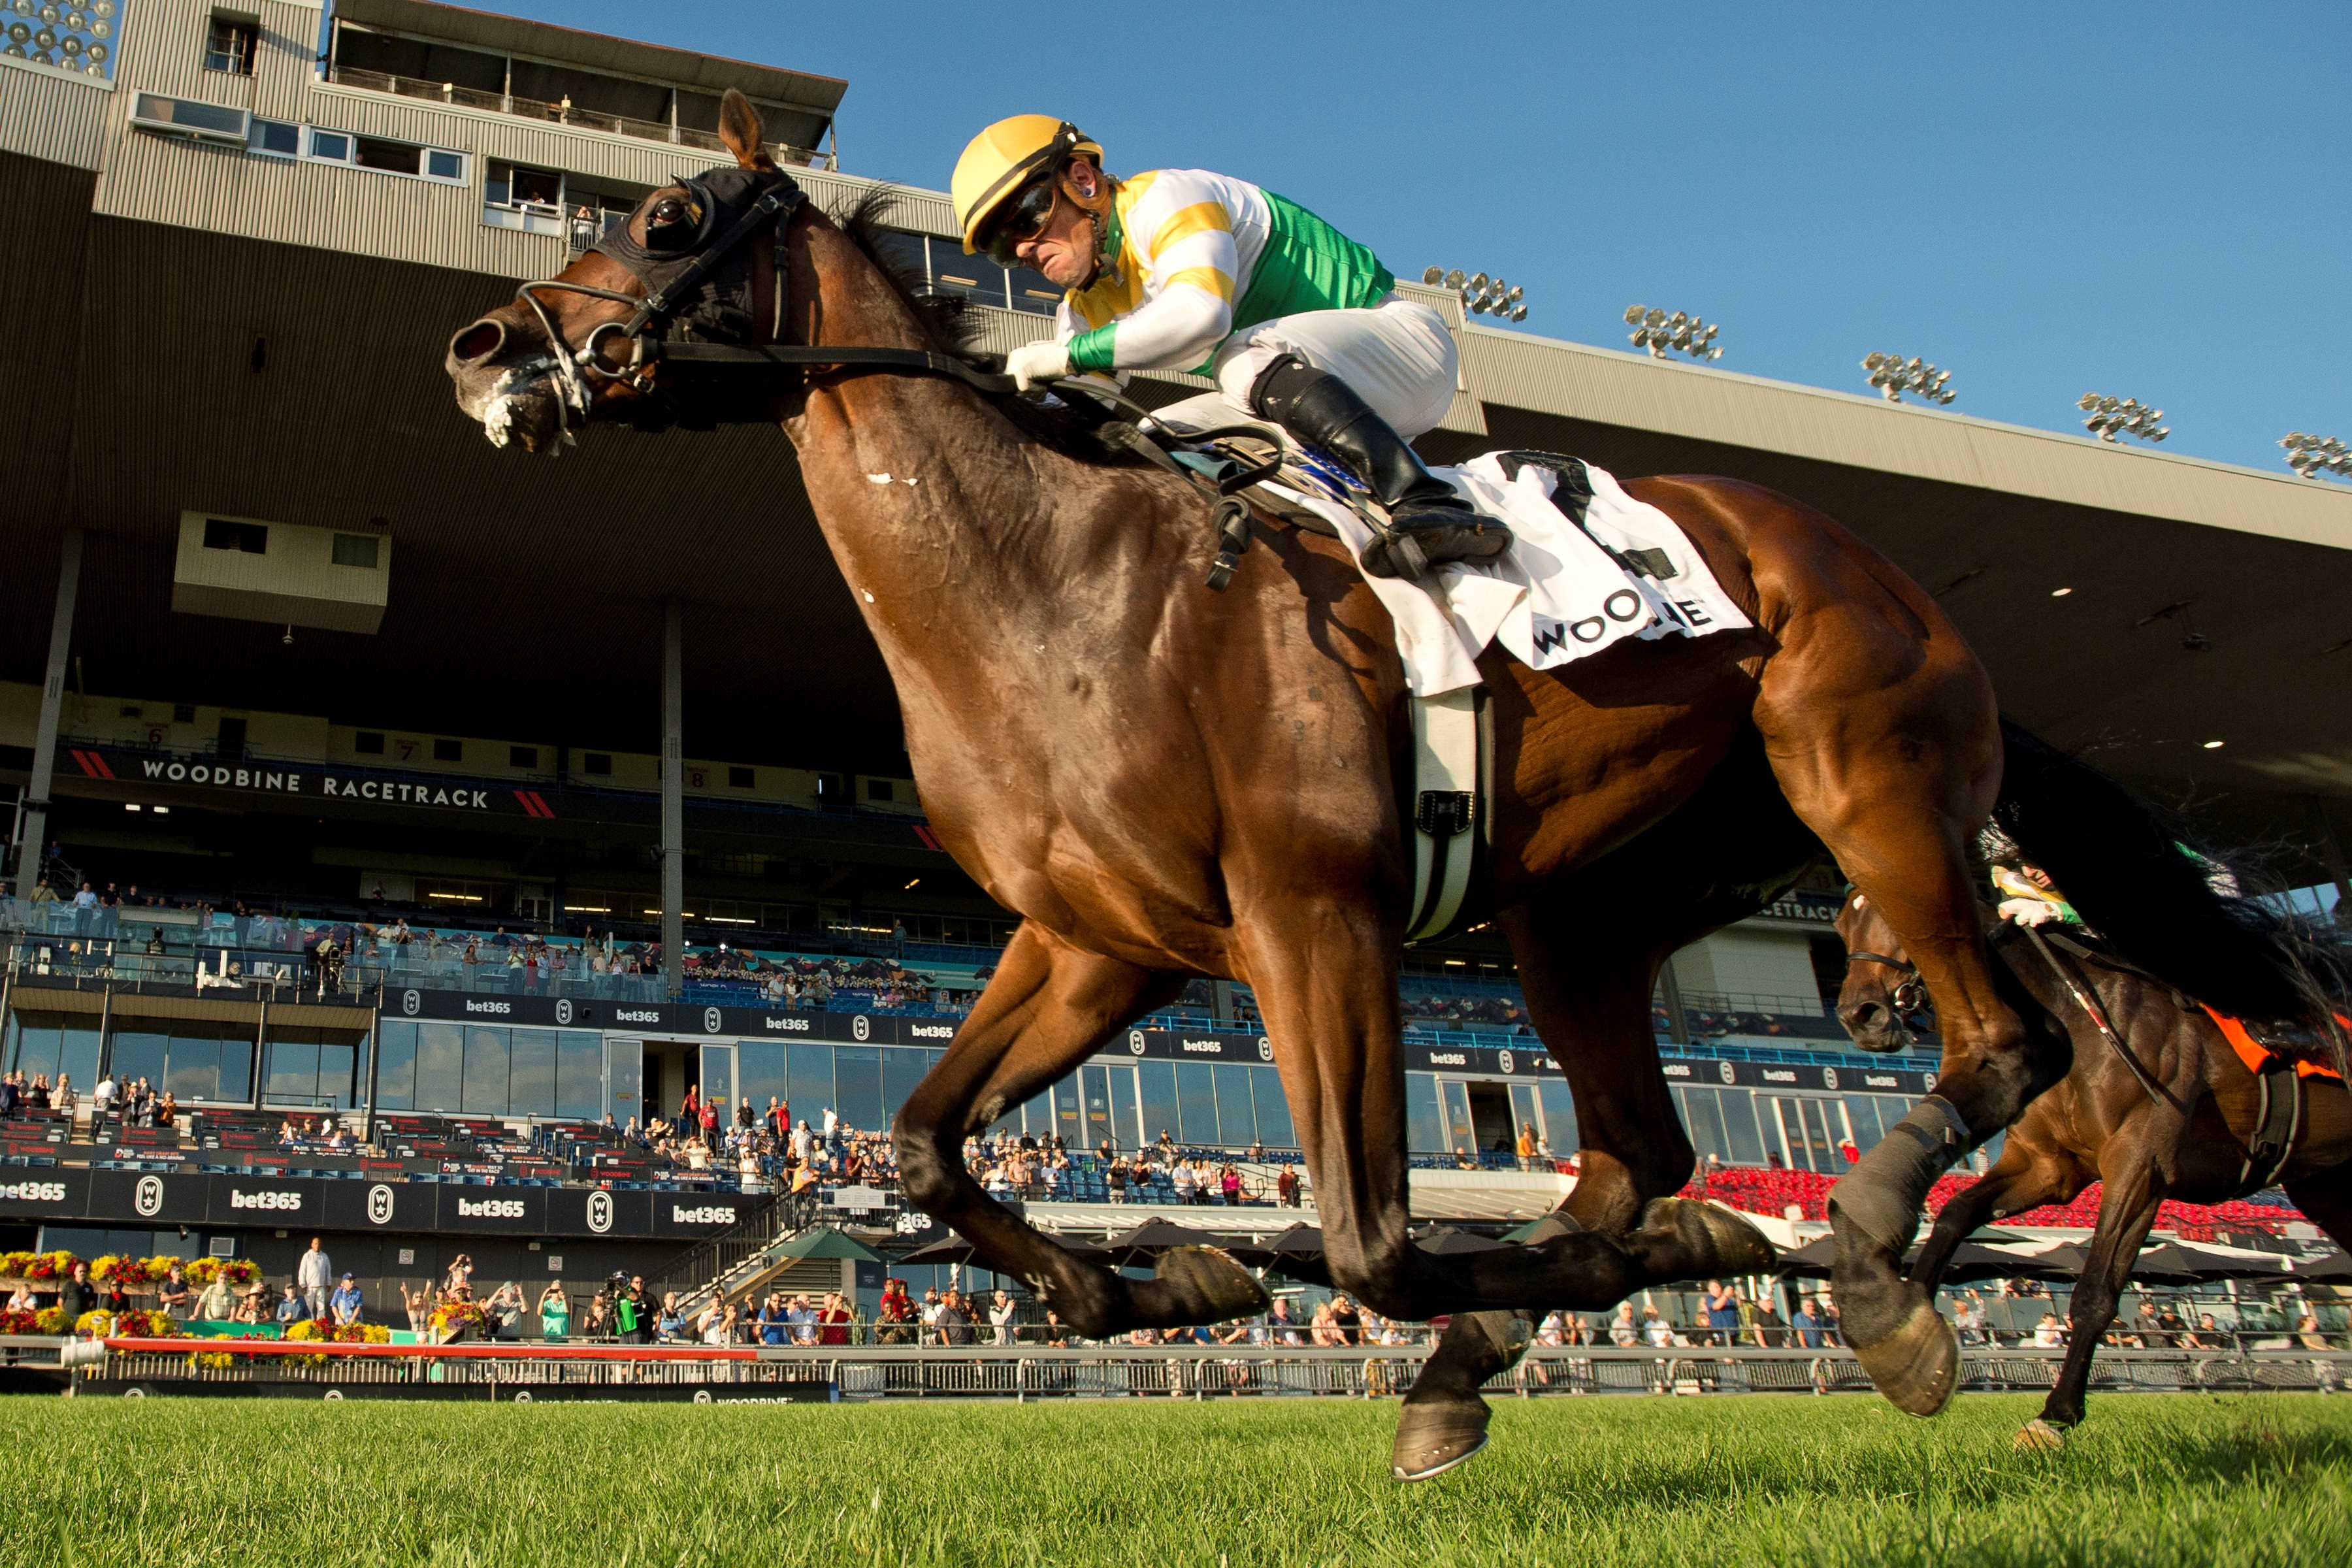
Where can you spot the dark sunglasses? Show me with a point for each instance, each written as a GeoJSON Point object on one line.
{"type": "Point", "coordinates": [1021, 219]}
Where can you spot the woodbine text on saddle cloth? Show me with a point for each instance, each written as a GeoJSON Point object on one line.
{"type": "Point", "coordinates": [1555, 595]}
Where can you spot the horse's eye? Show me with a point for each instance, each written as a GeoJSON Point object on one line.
{"type": "Point", "coordinates": [669, 210]}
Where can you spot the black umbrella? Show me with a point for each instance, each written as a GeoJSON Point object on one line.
{"type": "Point", "coordinates": [1140, 1245]}
{"type": "Point", "coordinates": [1813, 1260]}
{"type": "Point", "coordinates": [952, 1247]}
{"type": "Point", "coordinates": [2169, 1264]}
{"type": "Point", "coordinates": [2212, 1263]}
{"type": "Point", "coordinates": [2336, 1269]}
{"type": "Point", "coordinates": [1972, 1263]}
{"type": "Point", "coordinates": [1447, 1242]}
{"type": "Point", "coordinates": [1297, 1242]}
{"type": "Point", "coordinates": [1296, 1254]}
{"type": "Point", "coordinates": [2064, 1261]}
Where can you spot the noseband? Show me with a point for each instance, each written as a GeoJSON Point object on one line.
{"type": "Point", "coordinates": [704, 293]}
{"type": "Point", "coordinates": [1910, 992]}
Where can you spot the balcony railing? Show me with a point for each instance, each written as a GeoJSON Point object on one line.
{"type": "Point", "coordinates": [564, 112]}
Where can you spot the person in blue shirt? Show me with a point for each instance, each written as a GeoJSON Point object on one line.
{"type": "Point", "coordinates": [774, 1319]}
{"type": "Point", "coordinates": [346, 1304]}
{"type": "Point", "coordinates": [1722, 1312]}
{"type": "Point", "coordinates": [1812, 1330]}
{"type": "Point", "coordinates": [290, 1307]}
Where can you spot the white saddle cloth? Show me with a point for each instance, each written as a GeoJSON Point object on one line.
{"type": "Point", "coordinates": [1555, 595]}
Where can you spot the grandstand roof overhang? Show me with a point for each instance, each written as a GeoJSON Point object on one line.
{"type": "Point", "coordinates": [496, 34]}
{"type": "Point", "coordinates": [527, 594]}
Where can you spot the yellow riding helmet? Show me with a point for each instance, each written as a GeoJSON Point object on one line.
{"type": "Point", "coordinates": [1000, 160]}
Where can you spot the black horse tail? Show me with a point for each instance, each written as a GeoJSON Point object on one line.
{"type": "Point", "coordinates": [2124, 867]}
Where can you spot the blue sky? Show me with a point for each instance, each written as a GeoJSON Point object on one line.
{"type": "Point", "coordinates": [2146, 200]}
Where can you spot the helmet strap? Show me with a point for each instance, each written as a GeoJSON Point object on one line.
{"type": "Point", "coordinates": [1097, 208]}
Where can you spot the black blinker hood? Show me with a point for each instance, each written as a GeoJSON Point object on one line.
{"type": "Point", "coordinates": [719, 308]}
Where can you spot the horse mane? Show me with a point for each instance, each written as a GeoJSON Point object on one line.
{"type": "Point", "coordinates": [1070, 425]}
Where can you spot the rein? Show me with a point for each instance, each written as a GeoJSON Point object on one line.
{"type": "Point", "coordinates": [688, 291]}
{"type": "Point", "coordinates": [2084, 998]}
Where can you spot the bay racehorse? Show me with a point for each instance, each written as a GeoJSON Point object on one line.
{"type": "Point", "coordinates": [2156, 1105]}
{"type": "Point", "coordinates": [1164, 783]}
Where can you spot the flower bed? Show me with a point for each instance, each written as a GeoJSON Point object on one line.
{"type": "Point", "coordinates": [47, 1270]}
{"type": "Point", "coordinates": [133, 1324]}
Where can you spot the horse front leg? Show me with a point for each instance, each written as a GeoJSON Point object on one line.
{"type": "Point", "coordinates": [1047, 1009]}
{"type": "Point", "coordinates": [2134, 1187]}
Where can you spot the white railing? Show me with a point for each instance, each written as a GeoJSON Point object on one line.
{"type": "Point", "coordinates": [1112, 1371]}
{"type": "Point", "coordinates": [562, 112]}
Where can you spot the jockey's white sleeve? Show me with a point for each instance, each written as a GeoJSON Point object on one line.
{"type": "Point", "coordinates": [1189, 305]}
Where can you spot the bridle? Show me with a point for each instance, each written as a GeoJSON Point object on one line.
{"type": "Point", "coordinates": [685, 306]}
{"type": "Point", "coordinates": [1910, 992]}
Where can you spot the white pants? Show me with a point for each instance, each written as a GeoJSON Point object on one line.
{"type": "Point", "coordinates": [1396, 355]}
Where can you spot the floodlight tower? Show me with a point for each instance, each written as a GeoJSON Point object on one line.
{"type": "Point", "coordinates": [2312, 456]}
{"type": "Point", "coordinates": [1661, 334]}
{"type": "Point", "coordinates": [1894, 376]}
{"type": "Point", "coordinates": [2110, 418]}
{"type": "Point", "coordinates": [1480, 295]}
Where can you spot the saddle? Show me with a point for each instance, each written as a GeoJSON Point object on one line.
{"type": "Point", "coordinates": [1241, 463]}
{"type": "Point", "coordinates": [2277, 1044]}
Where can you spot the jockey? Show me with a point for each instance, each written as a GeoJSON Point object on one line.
{"type": "Point", "coordinates": [1185, 269]}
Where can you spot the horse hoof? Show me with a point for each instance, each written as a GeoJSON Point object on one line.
{"type": "Point", "coordinates": [1205, 1283]}
{"type": "Point", "coordinates": [1708, 1240]}
{"type": "Point", "coordinates": [1432, 1439]}
{"type": "Point", "coordinates": [1917, 1366]}
{"type": "Point", "coordinates": [2037, 1436]}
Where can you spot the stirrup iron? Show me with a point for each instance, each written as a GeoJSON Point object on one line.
{"type": "Point", "coordinates": [1233, 524]}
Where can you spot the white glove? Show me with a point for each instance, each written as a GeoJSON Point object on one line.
{"type": "Point", "coordinates": [1034, 365]}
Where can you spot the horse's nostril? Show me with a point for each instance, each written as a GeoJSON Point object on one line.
{"type": "Point", "coordinates": [478, 342]}
{"type": "Point", "coordinates": [1864, 1015]}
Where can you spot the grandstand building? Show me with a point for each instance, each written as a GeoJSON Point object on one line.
{"type": "Point", "coordinates": [289, 648]}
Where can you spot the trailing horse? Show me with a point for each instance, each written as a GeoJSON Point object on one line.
{"type": "Point", "coordinates": [2158, 1104]}
{"type": "Point", "coordinates": [1166, 783]}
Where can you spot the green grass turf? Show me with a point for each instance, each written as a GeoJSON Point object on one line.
{"type": "Point", "coordinates": [1680, 1483]}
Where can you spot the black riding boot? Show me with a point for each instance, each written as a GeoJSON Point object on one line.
{"type": "Point", "coordinates": [1426, 513]}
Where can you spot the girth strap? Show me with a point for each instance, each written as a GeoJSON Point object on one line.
{"type": "Point", "coordinates": [1453, 741]}
{"type": "Point", "coordinates": [2277, 1124]}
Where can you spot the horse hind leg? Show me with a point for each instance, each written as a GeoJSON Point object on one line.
{"type": "Point", "coordinates": [1588, 999]}
{"type": "Point", "coordinates": [1046, 1010]}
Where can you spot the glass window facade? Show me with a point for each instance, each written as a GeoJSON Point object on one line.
{"type": "Point", "coordinates": [479, 1071]}
{"type": "Point", "coordinates": [313, 1068]}
{"type": "Point", "coordinates": [1157, 1082]}
{"type": "Point", "coordinates": [49, 1043]}
{"type": "Point", "coordinates": [1196, 1103]}
{"type": "Point", "coordinates": [1424, 1125]}
{"type": "Point", "coordinates": [189, 1059]}
{"type": "Point", "coordinates": [518, 1072]}
{"type": "Point", "coordinates": [1558, 1117]}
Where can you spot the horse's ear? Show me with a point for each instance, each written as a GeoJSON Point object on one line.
{"type": "Point", "coordinates": [738, 127]}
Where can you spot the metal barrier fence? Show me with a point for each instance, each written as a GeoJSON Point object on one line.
{"type": "Point", "coordinates": [1098, 1372]}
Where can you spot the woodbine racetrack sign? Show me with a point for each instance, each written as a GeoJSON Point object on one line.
{"type": "Point", "coordinates": [314, 781]}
